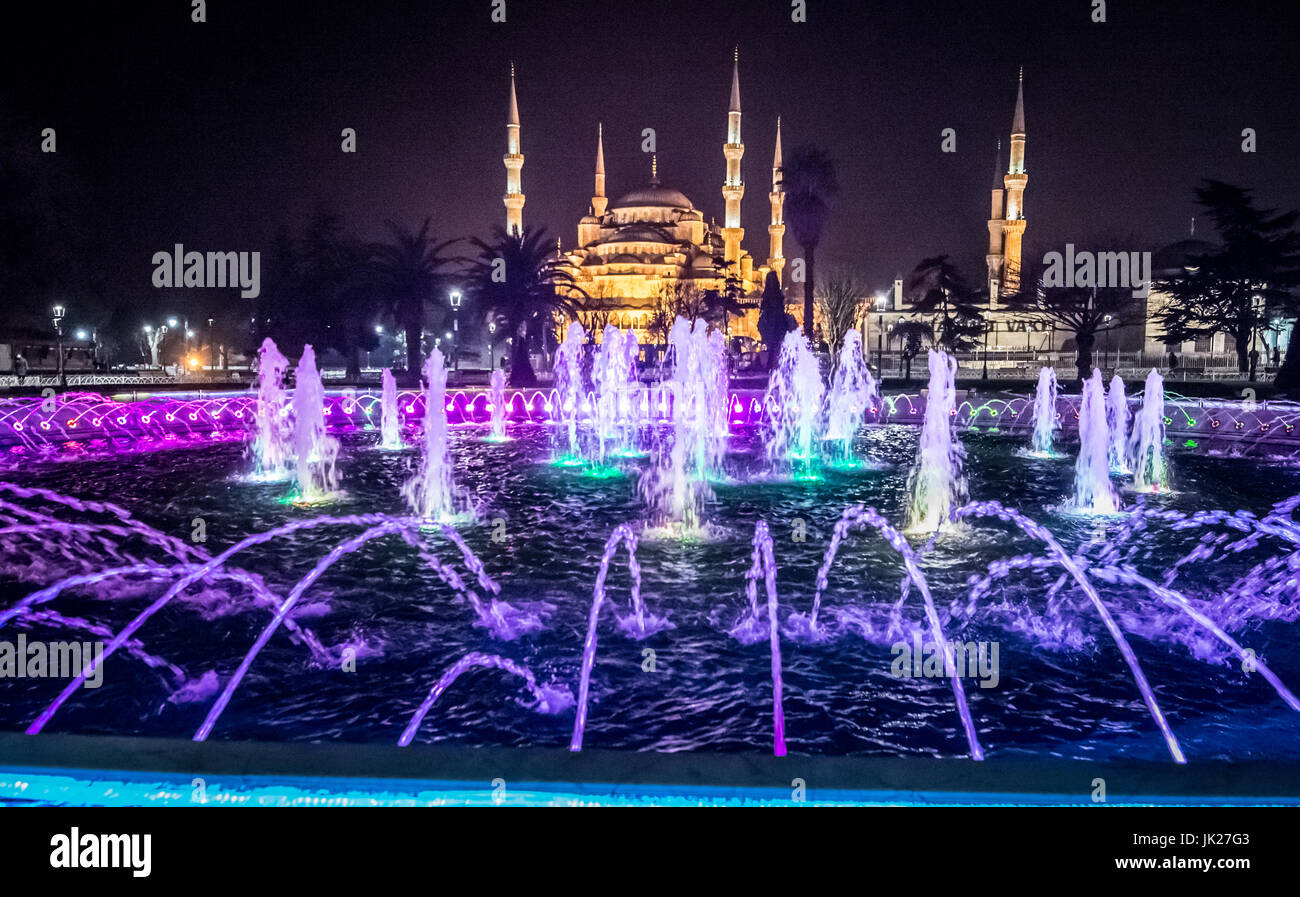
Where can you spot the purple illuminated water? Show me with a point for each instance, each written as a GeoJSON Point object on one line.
{"type": "Point", "coordinates": [272, 446]}
{"type": "Point", "coordinates": [429, 492]}
{"type": "Point", "coordinates": [315, 450]}
{"type": "Point", "coordinates": [390, 418]}
{"type": "Point", "coordinates": [1136, 635]}
{"type": "Point", "coordinates": [1117, 422]}
{"type": "Point", "coordinates": [937, 482]}
{"type": "Point", "coordinates": [1093, 491]}
{"type": "Point", "coordinates": [852, 394]}
{"type": "Point", "coordinates": [1147, 442]}
{"type": "Point", "coordinates": [1045, 419]}
{"type": "Point", "coordinates": [497, 401]}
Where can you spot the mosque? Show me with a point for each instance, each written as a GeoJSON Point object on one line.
{"type": "Point", "coordinates": [651, 250]}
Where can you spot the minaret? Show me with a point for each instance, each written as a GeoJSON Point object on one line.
{"type": "Point", "coordinates": [599, 202]}
{"type": "Point", "coordinates": [514, 198]}
{"type": "Point", "coordinates": [776, 230]}
{"type": "Point", "coordinates": [733, 188]}
{"type": "Point", "coordinates": [1013, 228]}
{"type": "Point", "coordinates": [994, 257]}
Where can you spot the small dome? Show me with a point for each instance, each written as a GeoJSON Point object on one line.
{"type": "Point", "coordinates": [1177, 256]}
{"type": "Point", "coordinates": [639, 233]}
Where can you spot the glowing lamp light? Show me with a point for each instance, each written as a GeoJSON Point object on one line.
{"type": "Point", "coordinates": [1214, 424]}
{"type": "Point", "coordinates": [72, 424]}
{"type": "Point", "coordinates": [122, 421]}
{"type": "Point", "coordinates": [194, 415]}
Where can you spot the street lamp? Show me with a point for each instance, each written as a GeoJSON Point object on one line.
{"type": "Point", "coordinates": [988, 325]}
{"type": "Point", "coordinates": [59, 311]}
{"type": "Point", "coordinates": [155, 338]}
{"type": "Point", "coordinates": [1105, 359]}
{"type": "Point", "coordinates": [454, 298]}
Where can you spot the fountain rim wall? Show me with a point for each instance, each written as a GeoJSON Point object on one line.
{"type": "Point", "coordinates": [242, 766]}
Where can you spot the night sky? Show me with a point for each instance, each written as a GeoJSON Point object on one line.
{"type": "Point", "coordinates": [215, 134]}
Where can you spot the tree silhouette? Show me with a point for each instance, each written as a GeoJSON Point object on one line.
{"type": "Point", "coordinates": [810, 186]}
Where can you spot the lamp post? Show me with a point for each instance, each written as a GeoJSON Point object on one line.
{"type": "Point", "coordinates": [988, 325]}
{"type": "Point", "coordinates": [1105, 358]}
{"type": "Point", "coordinates": [155, 336]}
{"type": "Point", "coordinates": [59, 311]}
{"type": "Point", "coordinates": [454, 298]}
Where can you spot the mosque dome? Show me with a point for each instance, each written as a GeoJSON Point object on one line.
{"type": "Point", "coordinates": [654, 194]}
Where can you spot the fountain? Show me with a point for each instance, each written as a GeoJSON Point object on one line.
{"type": "Point", "coordinates": [937, 482]}
{"type": "Point", "coordinates": [429, 492]}
{"type": "Point", "coordinates": [272, 444]}
{"type": "Point", "coordinates": [1205, 598]}
{"type": "Point", "coordinates": [793, 405]}
{"type": "Point", "coordinates": [853, 390]}
{"type": "Point", "coordinates": [569, 390]}
{"type": "Point", "coordinates": [315, 451]}
{"type": "Point", "coordinates": [1117, 420]}
{"type": "Point", "coordinates": [390, 421]}
{"type": "Point", "coordinates": [1093, 491]}
{"type": "Point", "coordinates": [612, 376]}
{"type": "Point", "coordinates": [675, 485]}
{"type": "Point", "coordinates": [1147, 443]}
{"type": "Point", "coordinates": [1045, 419]}
{"type": "Point", "coordinates": [497, 404]}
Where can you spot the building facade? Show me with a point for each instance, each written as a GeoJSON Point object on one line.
{"type": "Point", "coordinates": [651, 251]}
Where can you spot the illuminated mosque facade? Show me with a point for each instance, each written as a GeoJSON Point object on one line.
{"type": "Point", "coordinates": [651, 246]}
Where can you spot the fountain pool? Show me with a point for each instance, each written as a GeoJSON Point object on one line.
{"type": "Point", "coordinates": [388, 624]}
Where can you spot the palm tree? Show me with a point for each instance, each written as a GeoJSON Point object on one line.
{"type": "Point", "coordinates": [937, 289]}
{"type": "Point", "coordinates": [913, 335]}
{"type": "Point", "coordinates": [408, 273]}
{"type": "Point", "coordinates": [520, 281]}
{"type": "Point", "coordinates": [333, 293]}
{"type": "Point", "coordinates": [810, 184]}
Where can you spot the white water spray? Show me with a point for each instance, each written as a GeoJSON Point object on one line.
{"type": "Point", "coordinates": [675, 485]}
{"type": "Point", "coordinates": [793, 404]}
{"type": "Point", "coordinates": [937, 482]}
{"type": "Point", "coordinates": [315, 450]}
{"type": "Point", "coordinates": [1117, 420]}
{"type": "Point", "coordinates": [1093, 491]}
{"type": "Point", "coordinates": [497, 399]}
{"type": "Point", "coordinates": [390, 422]}
{"type": "Point", "coordinates": [1147, 444]}
{"type": "Point", "coordinates": [853, 391]}
{"type": "Point", "coordinates": [272, 443]}
{"type": "Point", "coordinates": [1045, 422]}
{"type": "Point", "coordinates": [568, 385]}
{"type": "Point", "coordinates": [429, 492]}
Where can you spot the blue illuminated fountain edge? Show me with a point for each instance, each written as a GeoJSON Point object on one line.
{"type": "Point", "coordinates": [132, 771]}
